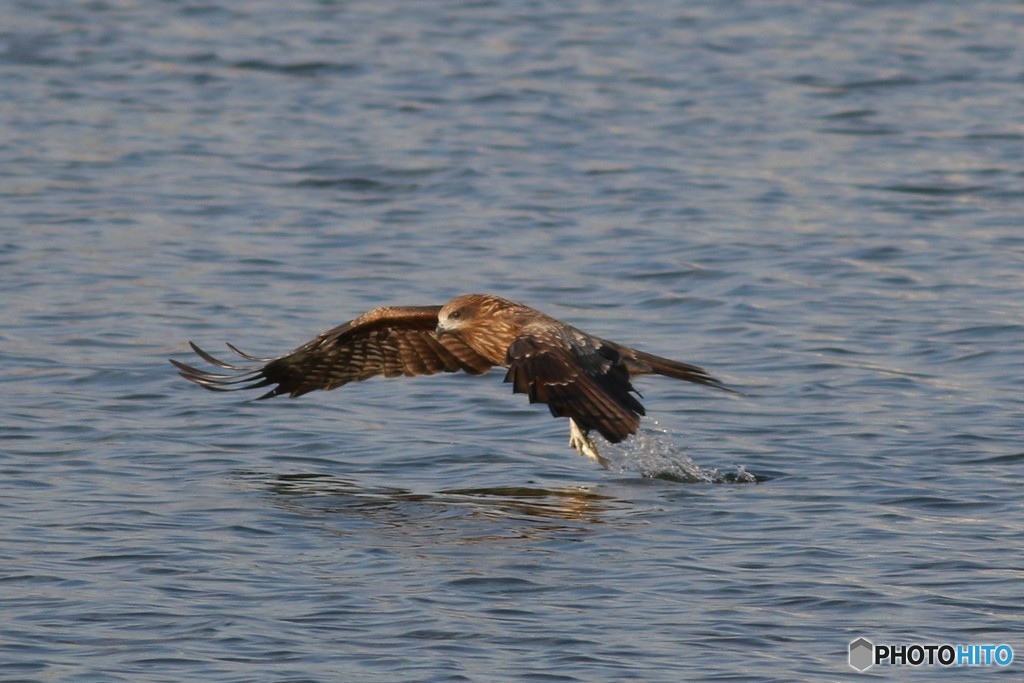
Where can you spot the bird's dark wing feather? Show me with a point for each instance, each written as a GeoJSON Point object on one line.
{"type": "Point", "coordinates": [577, 376]}
{"type": "Point", "coordinates": [388, 341]}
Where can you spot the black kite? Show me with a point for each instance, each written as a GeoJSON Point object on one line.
{"type": "Point", "coordinates": [579, 376]}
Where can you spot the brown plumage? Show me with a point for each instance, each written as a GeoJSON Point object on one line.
{"type": "Point", "coordinates": [579, 376]}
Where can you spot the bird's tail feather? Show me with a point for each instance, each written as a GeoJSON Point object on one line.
{"type": "Point", "coordinates": [649, 363]}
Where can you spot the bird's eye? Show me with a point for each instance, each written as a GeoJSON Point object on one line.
{"type": "Point", "coordinates": [455, 315]}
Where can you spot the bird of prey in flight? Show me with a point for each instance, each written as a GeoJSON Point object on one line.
{"type": "Point", "coordinates": [578, 375]}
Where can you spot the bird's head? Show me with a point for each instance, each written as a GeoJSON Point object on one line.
{"type": "Point", "coordinates": [463, 311]}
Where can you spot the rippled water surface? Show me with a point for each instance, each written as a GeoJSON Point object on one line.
{"type": "Point", "coordinates": [820, 202]}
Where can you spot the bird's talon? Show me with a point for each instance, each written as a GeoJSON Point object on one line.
{"type": "Point", "coordinates": [584, 445]}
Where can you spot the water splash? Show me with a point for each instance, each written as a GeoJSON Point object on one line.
{"type": "Point", "coordinates": [653, 453]}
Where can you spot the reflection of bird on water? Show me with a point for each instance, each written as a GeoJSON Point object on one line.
{"type": "Point", "coordinates": [330, 493]}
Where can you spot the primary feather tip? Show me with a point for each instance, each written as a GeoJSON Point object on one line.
{"type": "Point", "coordinates": [237, 378]}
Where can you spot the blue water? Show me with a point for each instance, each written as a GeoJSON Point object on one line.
{"type": "Point", "coordinates": [821, 203]}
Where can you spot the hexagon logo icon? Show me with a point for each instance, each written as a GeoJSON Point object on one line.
{"type": "Point", "coordinates": [862, 654]}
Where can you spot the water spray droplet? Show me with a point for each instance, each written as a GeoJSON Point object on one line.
{"type": "Point", "coordinates": [653, 453]}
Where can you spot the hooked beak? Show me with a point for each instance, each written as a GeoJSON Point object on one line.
{"type": "Point", "coordinates": [442, 330]}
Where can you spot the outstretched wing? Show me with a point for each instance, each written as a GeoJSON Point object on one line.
{"type": "Point", "coordinates": [389, 341]}
{"type": "Point", "coordinates": [577, 376]}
